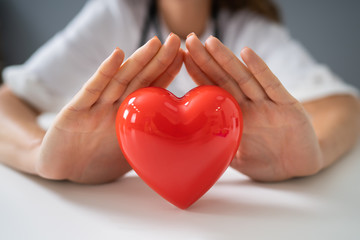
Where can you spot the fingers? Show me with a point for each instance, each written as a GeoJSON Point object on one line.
{"type": "Point", "coordinates": [195, 72]}
{"type": "Point", "coordinates": [235, 68]}
{"type": "Point", "coordinates": [132, 66]}
{"type": "Point", "coordinates": [156, 66]}
{"type": "Point", "coordinates": [93, 88]}
{"type": "Point", "coordinates": [152, 64]}
{"type": "Point", "coordinates": [269, 82]}
{"type": "Point", "coordinates": [216, 63]}
{"type": "Point", "coordinates": [165, 78]}
{"type": "Point", "coordinates": [211, 68]}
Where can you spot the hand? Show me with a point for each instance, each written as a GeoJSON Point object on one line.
{"type": "Point", "coordinates": [278, 139]}
{"type": "Point", "coordinates": [81, 145]}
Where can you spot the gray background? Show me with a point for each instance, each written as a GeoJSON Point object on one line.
{"type": "Point", "coordinates": [329, 29]}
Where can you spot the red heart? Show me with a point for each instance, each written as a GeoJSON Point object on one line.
{"type": "Point", "coordinates": [179, 146]}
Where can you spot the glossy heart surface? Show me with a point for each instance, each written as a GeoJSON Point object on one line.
{"type": "Point", "coordinates": [179, 146]}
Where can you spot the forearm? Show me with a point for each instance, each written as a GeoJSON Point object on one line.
{"type": "Point", "coordinates": [20, 136]}
{"type": "Point", "coordinates": [336, 121]}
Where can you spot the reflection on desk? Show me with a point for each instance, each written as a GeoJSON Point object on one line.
{"type": "Point", "coordinates": [324, 206]}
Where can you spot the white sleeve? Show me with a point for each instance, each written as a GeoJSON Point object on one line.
{"type": "Point", "coordinates": [60, 67]}
{"type": "Point", "coordinates": [302, 76]}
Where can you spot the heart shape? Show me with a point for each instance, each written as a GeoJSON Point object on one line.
{"type": "Point", "coordinates": [179, 146]}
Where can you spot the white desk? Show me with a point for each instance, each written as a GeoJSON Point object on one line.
{"type": "Point", "coordinates": [325, 206]}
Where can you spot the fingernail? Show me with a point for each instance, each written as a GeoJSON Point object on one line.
{"type": "Point", "coordinates": [169, 36]}
{"type": "Point", "coordinates": [245, 49]}
{"type": "Point", "coordinates": [191, 34]}
{"type": "Point", "coordinates": [114, 51]}
{"type": "Point", "coordinates": [155, 37]}
{"type": "Point", "coordinates": [211, 37]}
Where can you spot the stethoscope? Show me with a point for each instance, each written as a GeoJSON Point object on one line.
{"type": "Point", "coordinates": [152, 19]}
